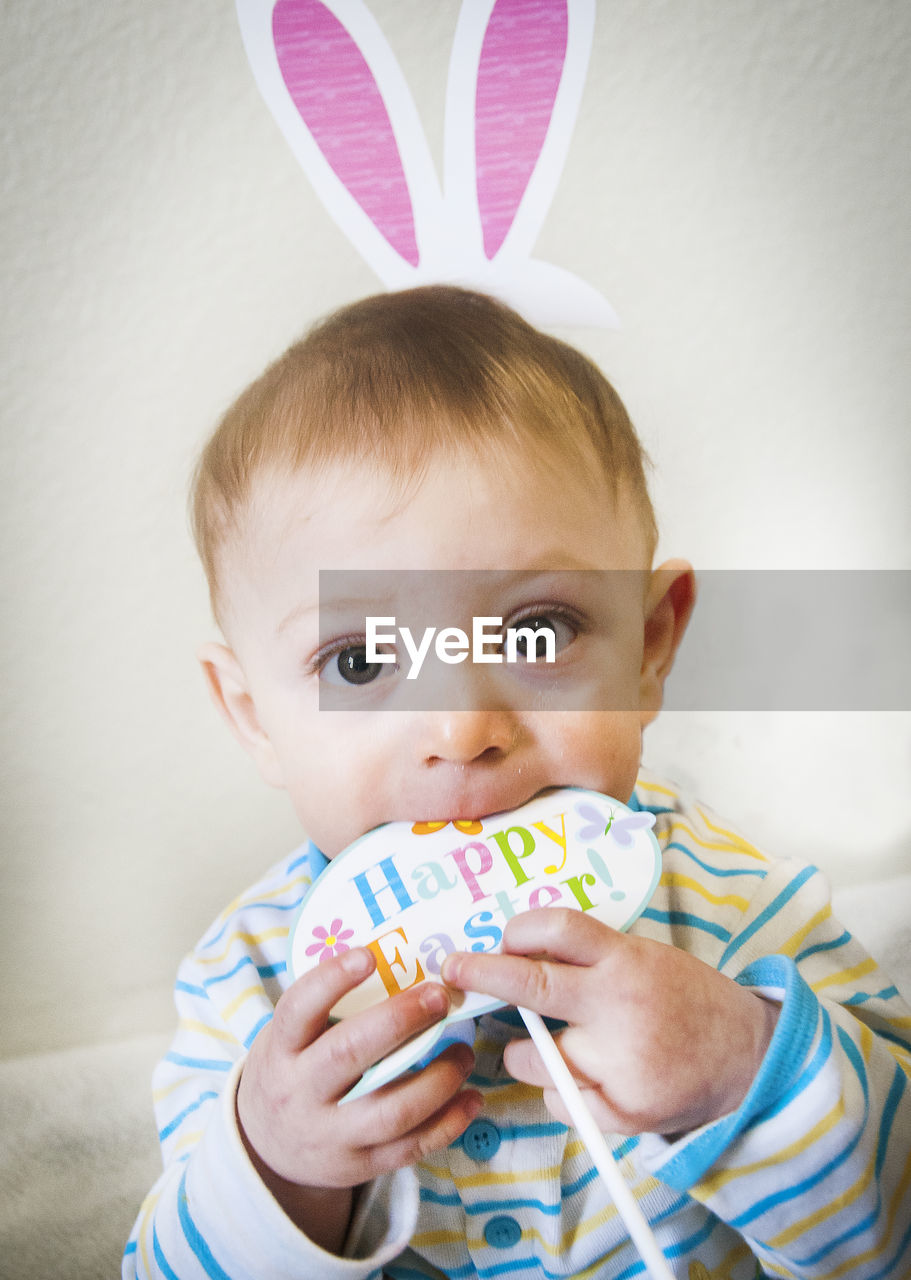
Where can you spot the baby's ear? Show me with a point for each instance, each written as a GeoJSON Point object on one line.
{"type": "Point", "coordinates": [228, 688]}
{"type": "Point", "coordinates": [669, 604]}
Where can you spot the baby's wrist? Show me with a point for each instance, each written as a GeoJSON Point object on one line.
{"type": "Point", "coordinates": [323, 1214]}
{"type": "Point", "coordinates": [765, 1019]}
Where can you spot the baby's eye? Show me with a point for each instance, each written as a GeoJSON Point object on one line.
{"type": "Point", "coordinates": [350, 666]}
{"type": "Point", "coordinates": [564, 633]}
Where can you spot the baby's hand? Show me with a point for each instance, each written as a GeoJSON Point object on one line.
{"type": "Point", "coordinates": [659, 1041]}
{"type": "Point", "coordinates": [306, 1147]}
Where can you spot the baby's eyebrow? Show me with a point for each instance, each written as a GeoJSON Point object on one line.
{"type": "Point", "coordinates": [349, 604]}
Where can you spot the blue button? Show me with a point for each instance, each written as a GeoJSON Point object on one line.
{"type": "Point", "coordinates": [481, 1140]}
{"type": "Point", "coordinates": [502, 1232]}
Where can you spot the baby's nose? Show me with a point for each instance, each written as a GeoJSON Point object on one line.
{"type": "Point", "coordinates": [464, 737]}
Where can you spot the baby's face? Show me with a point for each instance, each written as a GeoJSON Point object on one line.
{"type": "Point", "coordinates": [347, 771]}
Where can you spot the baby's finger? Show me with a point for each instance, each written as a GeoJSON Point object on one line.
{"type": "Point", "coordinates": [549, 989]}
{"type": "Point", "coordinates": [344, 1053]}
{"type": "Point", "coordinates": [559, 934]}
{"type": "Point", "coordinates": [302, 1014]}
{"type": "Point", "coordinates": [436, 1133]}
{"type": "Point", "coordinates": [407, 1103]}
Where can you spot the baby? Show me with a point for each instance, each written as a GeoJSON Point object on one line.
{"type": "Point", "coordinates": [746, 1058]}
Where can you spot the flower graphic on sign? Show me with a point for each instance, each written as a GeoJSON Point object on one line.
{"type": "Point", "coordinates": [468, 827]}
{"type": "Point", "coordinates": [329, 942]}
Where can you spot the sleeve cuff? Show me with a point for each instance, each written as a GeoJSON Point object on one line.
{"type": "Point", "coordinates": [683, 1163]}
{"type": "Point", "coordinates": [230, 1217]}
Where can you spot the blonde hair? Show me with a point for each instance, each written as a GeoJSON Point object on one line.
{"type": "Point", "coordinates": [398, 378]}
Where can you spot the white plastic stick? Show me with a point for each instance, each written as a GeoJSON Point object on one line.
{"type": "Point", "coordinates": [640, 1232]}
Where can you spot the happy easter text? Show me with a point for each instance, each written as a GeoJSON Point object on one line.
{"type": "Point", "coordinates": [386, 896]}
{"type": "Point", "coordinates": [452, 644]}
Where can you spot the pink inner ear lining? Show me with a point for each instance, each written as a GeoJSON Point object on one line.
{"type": "Point", "coordinates": [521, 64]}
{"type": "Point", "coordinates": [338, 100]}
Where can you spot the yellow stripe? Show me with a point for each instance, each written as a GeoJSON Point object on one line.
{"type": "Point", "coordinates": [792, 945]}
{"type": "Point", "coordinates": [427, 1239]}
{"type": "Point", "coordinates": [737, 840]}
{"type": "Point", "coordinates": [872, 1254]}
{"type": "Point", "coordinates": [726, 846]}
{"type": "Point", "coordinates": [709, 1186]}
{"type": "Point", "coordinates": [191, 1024]}
{"type": "Point", "coordinates": [188, 1140]}
{"type": "Point", "coordinates": [150, 1205]}
{"type": "Point", "coordinates": [729, 1261]}
{"type": "Point", "coordinates": [496, 1179]}
{"type": "Point", "coordinates": [275, 893]}
{"type": "Point", "coordinates": [642, 785]}
{"type": "Point", "coordinates": [232, 1007]}
{"type": "Point", "coordinates": [158, 1094]}
{"type": "Point", "coordinates": [252, 939]}
{"type": "Point", "coordinates": [898, 1022]}
{"type": "Point", "coordinates": [570, 1237]}
{"type": "Point", "coordinates": [845, 975]}
{"type": "Point", "coordinates": [675, 880]}
{"type": "Point", "coordinates": [835, 1206]}
{"type": "Point", "coordinates": [251, 896]}
{"type": "Point", "coordinates": [900, 1053]}
{"type": "Point", "coordinates": [866, 1043]}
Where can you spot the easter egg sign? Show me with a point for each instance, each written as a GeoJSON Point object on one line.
{"type": "Point", "coordinates": [414, 892]}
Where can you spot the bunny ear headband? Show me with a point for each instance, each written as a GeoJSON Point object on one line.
{"type": "Point", "coordinates": [515, 81]}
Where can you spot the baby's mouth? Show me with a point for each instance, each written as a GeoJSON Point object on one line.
{"type": "Point", "coordinates": [466, 810]}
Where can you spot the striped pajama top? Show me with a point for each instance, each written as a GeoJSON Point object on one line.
{"type": "Point", "coordinates": [810, 1177]}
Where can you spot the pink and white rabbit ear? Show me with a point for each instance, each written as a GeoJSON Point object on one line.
{"type": "Point", "coordinates": [515, 84]}
{"type": "Point", "coordinates": [338, 95]}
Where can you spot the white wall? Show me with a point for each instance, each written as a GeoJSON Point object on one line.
{"type": "Point", "coordinates": [737, 187]}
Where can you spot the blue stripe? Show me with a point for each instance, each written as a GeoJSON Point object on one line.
{"type": "Point", "coordinates": [888, 1272]}
{"type": "Point", "coordinates": [263, 971]}
{"type": "Point", "coordinates": [899, 1082]}
{"type": "Point", "coordinates": [832, 945]}
{"type": "Point", "coordinates": [718, 871]}
{"type": "Point", "coordinates": [451, 1199]}
{"type": "Point", "coordinates": [243, 963]}
{"type": "Point", "coordinates": [203, 1064]}
{"type": "Point", "coordinates": [131, 1247]}
{"type": "Point", "coordinates": [162, 1261]}
{"type": "Point", "coordinates": [180, 985]}
{"type": "Point", "coordinates": [688, 920]}
{"type": "Point", "coordinates": [182, 1115]}
{"type": "Point", "coordinates": [771, 910]}
{"type": "Point", "coordinates": [657, 809]}
{"type": "Point", "coordinates": [518, 1264]}
{"type": "Point", "coordinates": [251, 1036]}
{"type": "Point", "coordinates": [902, 1041]}
{"type": "Point", "coordinates": [886, 994]}
{"type": "Point", "coordinates": [686, 1246]}
{"type": "Point", "coordinates": [797, 1189]}
{"type": "Point", "coordinates": [794, 1033]}
{"type": "Point", "coordinates": [806, 1078]}
{"type": "Point", "coordinates": [857, 1230]}
{"type": "Point", "coordinates": [678, 1206]}
{"type": "Point", "coordinates": [571, 1188]}
{"type": "Point", "coordinates": [500, 1206]}
{"type": "Point", "coordinates": [196, 1242]}
{"type": "Point", "coordinates": [516, 1131]}
{"type": "Point", "coordinates": [233, 920]}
